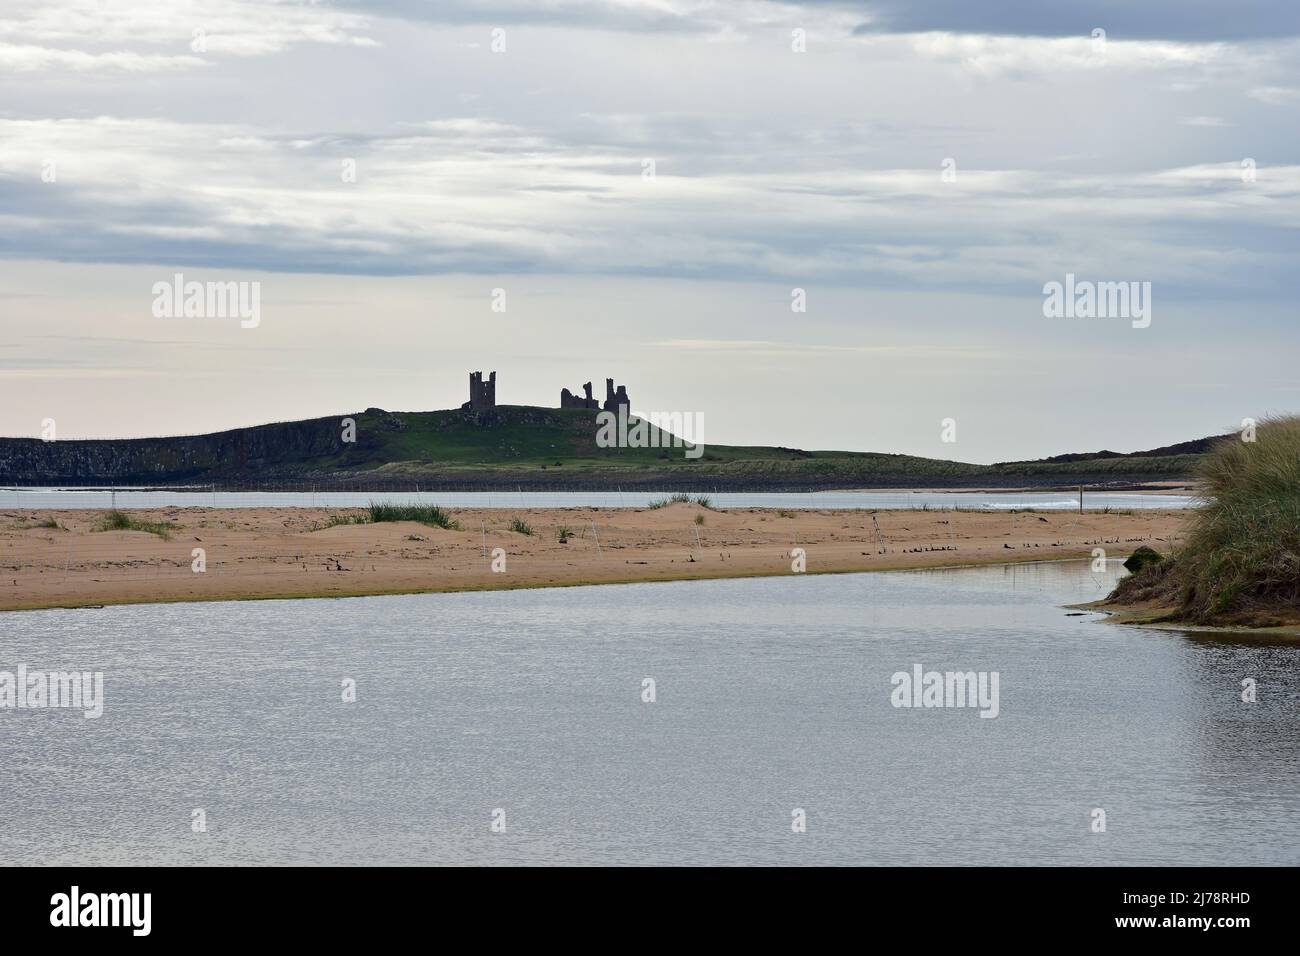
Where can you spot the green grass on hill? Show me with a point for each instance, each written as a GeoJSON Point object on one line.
{"type": "Point", "coordinates": [528, 445]}
{"type": "Point", "coordinates": [527, 441]}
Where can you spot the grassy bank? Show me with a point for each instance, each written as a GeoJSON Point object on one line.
{"type": "Point", "coordinates": [1240, 561]}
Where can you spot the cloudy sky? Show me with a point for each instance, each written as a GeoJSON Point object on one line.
{"type": "Point", "coordinates": [648, 181]}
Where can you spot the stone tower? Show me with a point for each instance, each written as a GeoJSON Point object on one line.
{"type": "Point", "coordinates": [615, 398]}
{"type": "Point", "coordinates": [482, 395]}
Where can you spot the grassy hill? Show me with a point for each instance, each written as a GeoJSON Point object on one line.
{"type": "Point", "coordinates": [527, 446]}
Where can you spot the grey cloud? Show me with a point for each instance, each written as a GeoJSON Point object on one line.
{"type": "Point", "coordinates": [435, 202]}
{"type": "Point", "coordinates": [1182, 20]}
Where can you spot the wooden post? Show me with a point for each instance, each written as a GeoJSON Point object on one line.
{"type": "Point", "coordinates": [1080, 499]}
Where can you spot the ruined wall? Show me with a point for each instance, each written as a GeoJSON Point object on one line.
{"type": "Point", "coordinates": [569, 400]}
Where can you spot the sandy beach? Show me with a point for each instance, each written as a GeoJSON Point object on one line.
{"type": "Point", "coordinates": [255, 553]}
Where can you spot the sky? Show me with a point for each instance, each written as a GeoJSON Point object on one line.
{"type": "Point", "coordinates": [568, 190]}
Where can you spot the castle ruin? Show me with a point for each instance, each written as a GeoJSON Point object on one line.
{"type": "Point", "coordinates": [569, 400]}
{"type": "Point", "coordinates": [482, 395]}
{"type": "Point", "coordinates": [613, 399]}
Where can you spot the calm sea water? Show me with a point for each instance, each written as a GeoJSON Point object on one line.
{"type": "Point", "coordinates": [161, 497]}
{"type": "Point", "coordinates": [771, 694]}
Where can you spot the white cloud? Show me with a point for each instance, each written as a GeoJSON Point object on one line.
{"type": "Point", "coordinates": [1001, 55]}
{"type": "Point", "coordinates": [29, 59]}
{"type": "Point", "coordinates": [152, 35]}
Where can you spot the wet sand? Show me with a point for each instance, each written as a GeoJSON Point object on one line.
{"type": "Point", "coordinates": [255, 553]}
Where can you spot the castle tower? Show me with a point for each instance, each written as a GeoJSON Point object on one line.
{"type": "Point", "coordinates": [615, 398]}
{"type": "Point", "coordinates": [482, 395]}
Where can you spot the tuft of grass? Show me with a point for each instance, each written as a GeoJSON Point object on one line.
{"type": "Point", "coordinates": [520, 526]}
{"type": "Point", "coordinates": [1242, 553]}
{"type": "Point", "coordinates": [121, 521]}
{"type": "Point", "coordinates": [783, 513]}
{"type": "Point", "coordinates": [699, 519]}
{"type": "Point", "coordinates": [431, 515]}
{"type": "Point", "coordinates": [50, 523]}
{"type": "Point", "coordinates": [564, 532]}
{"type": "Point", "coordinates": [682, 498]}
{"type": "Point", "coordinates": [678, 499]}
{"type": "Point", "coordinates": [333, 521]}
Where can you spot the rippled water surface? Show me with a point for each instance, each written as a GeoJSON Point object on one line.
{"type": "Point", "coordinates": [771, 694]}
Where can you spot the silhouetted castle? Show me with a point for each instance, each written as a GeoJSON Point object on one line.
{"type": "Point", "coordinates": [613, 398]}
{"type": "Point", "coordinates": [569, 400]}
{"type": "Point", "coordinates": [483, 395]}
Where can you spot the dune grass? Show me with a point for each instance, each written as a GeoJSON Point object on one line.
{"type": "Point", "coordinates": [681, 498]}
{"type": "Point", "coordinates": [520, 526]}
{"type": "Point", "coordinates": [121, 521]}
{"type": "Point", "coordinates": [333, 521]}
{"type": "Point", "coordinates": [1241, 556]}
{"type": "Point", "coordinates": [677, 499]}
{"type": "Point", "coordinates": [431, 515]}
